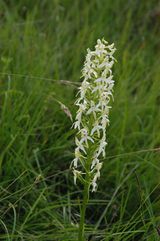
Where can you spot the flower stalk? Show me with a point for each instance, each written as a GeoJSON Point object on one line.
{"type": "Point", "coordinates": [92, 120]}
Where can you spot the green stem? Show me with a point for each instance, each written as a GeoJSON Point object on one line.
{"type": "Point", "coordinates": [83, 209]}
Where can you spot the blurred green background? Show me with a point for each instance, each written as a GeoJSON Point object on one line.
{"type": "Point", "coordinates": [43, 46]}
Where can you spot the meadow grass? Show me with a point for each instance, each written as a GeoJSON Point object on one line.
{"type": "Point", "coordinates": [43, 46]}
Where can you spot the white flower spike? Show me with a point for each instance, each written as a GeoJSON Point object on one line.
{"type": "Point", "coordinates": [93, 112]}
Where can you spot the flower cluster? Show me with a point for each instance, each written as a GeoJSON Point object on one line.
{"type": "Point", "coordinates": [93, 112]}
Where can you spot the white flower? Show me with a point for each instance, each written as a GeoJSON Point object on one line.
{"type": "Point", "coordinates": [97, 127]}
{"type": "Point", "coordinates": [80, 145]}
{"type": "Point", "coordinates": [94, 161]}
{"type": "Point", "coordinates": [104, 121]}
{"type": "Point", "coordinates": [96, 176]}
{"type": "Point", "coordinates": [76, 174]}
{"type": "Point", "coordinates": [102, 146]}
{"type": "Point", "coordinates": [77, 124]}
{"type": "Point", "coordinates": [92, 116]}
{"type": "Point", "coordinates": [83, 89]}
{"type": "Point", "coordinates": [78, 155]}
{"type": "Point", "coordinates": [85, 137]}
{"type": "Point", "coordinates": [93, 109]}
{"type": "Point", "coordinates": [75, 162]}
{"type": "Point", "coordinates": [94, 186]}
{"type": "Point", "coordinates": [82, 108]}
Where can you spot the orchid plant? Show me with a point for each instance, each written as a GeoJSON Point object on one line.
{"type": "Point", "coordinates": [92, 119]}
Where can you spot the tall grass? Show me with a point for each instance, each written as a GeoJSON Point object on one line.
{"type": "Point", "coordinates": [42, 45]}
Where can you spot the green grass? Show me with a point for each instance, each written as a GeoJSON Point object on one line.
{"type": "Point", "coordinates": [43, 46]}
